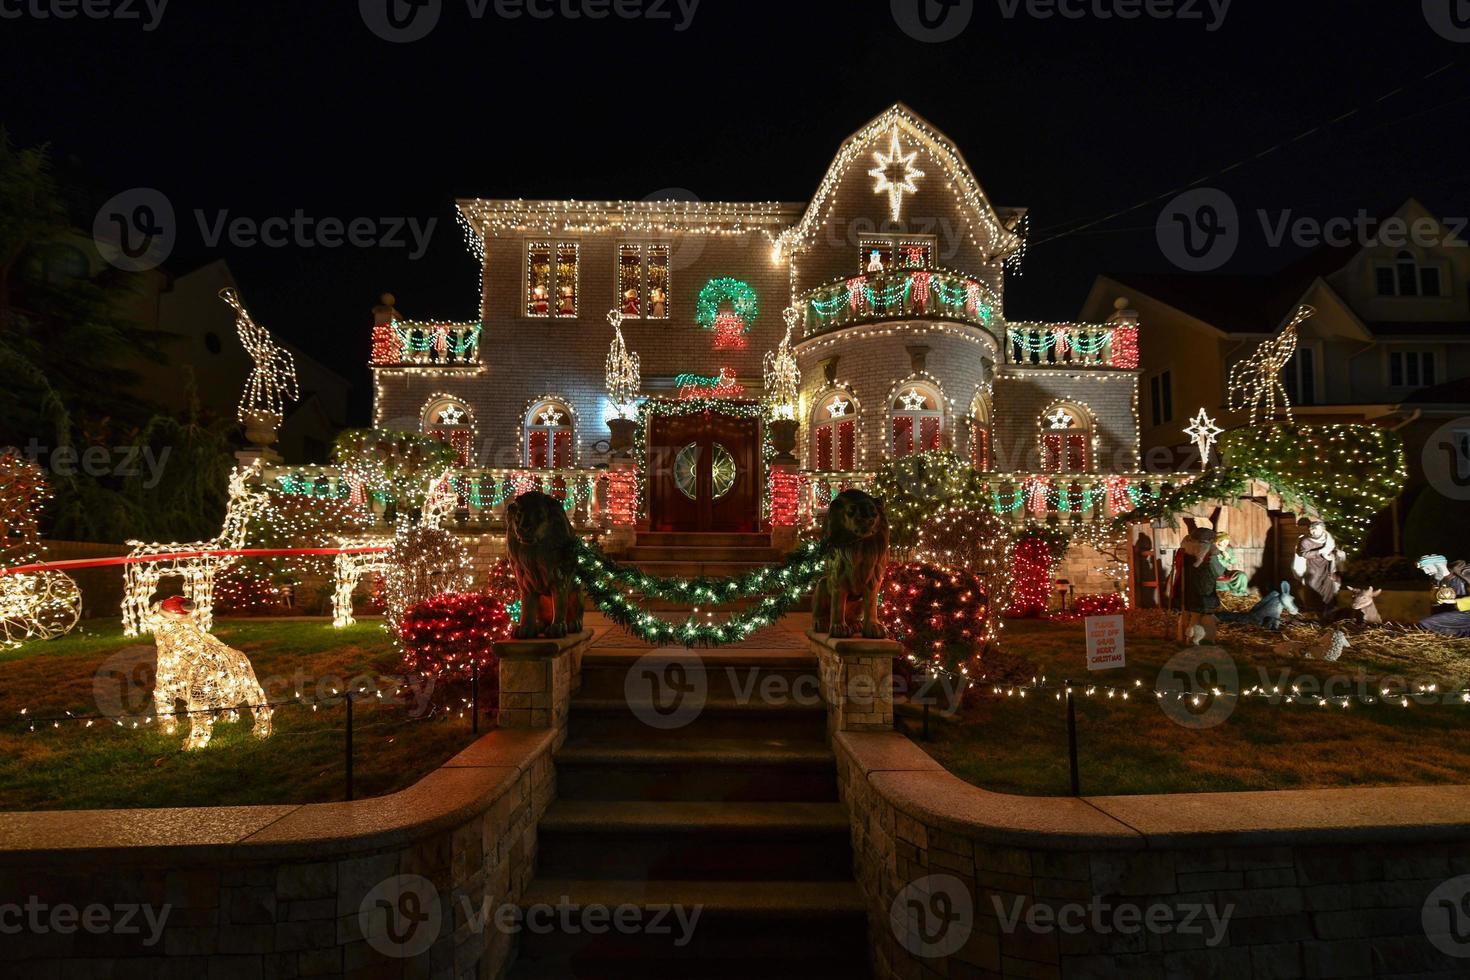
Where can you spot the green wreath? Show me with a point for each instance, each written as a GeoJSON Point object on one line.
{"type": "Point", "coordinates": [716, 291]}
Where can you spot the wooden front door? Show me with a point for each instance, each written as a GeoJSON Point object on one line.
{"type": "Point", "coordinates": [705, 473]}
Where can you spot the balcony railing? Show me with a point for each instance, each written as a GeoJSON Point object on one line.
{"type": "Point", "coordinates": [404, 342]}
{"type": "Point", "coordinates": [930, 294]}
{"type": "Point", "coordinates": [1072, 344]}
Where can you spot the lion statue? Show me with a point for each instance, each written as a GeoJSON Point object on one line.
{"type": "Point", "coordinates": [855, 535]}
{"type": "Point", "coordinates": [543, 555]}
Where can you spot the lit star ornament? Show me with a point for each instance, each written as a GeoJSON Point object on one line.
{"type": "Point", "coordinates": [900, 165]}
{"type": "Point", "coordinates": [550, 417]}
{"type": "Point", "coordinates": [1203, 432]}
{"type": "Point", "coordinates": [452, 415]}
{"type": "Point", "coordinates": [912, 400]}
{"type": "Point", "coordinates": [838, 408]}
{"type": "Point", "coordinates": [1060, 419]}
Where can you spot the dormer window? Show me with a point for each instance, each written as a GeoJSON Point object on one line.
{"type": "Point", "coordinates": [1408, 277]}
{"type": "Point", "coordinates": [889, 253]}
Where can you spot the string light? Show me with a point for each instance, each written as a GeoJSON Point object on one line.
{"type": "Point", "coordinates": [206, 674]}
{"type": "Point", "coordinates": [781, 375]}
{"type": "Point", "coordinates": [901, 165]}
{"type": "Point", "coordinates": [700, 386]}
{"type": "Point", "coordinates": [1256, 381]}
{"type": "Point", "coordinates": [40, 605]}
{"type": "Point", "coordinates": [1203, 432]}
{"type": "Point", "coordinates": [273, 378]}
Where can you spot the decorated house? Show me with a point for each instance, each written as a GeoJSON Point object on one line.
{"type": "Point", "coordinates": [873, 316]}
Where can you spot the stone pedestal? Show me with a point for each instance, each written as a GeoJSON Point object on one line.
{"type": "Point", "coordinates": [537, 679]}
{"type": "Point", "coordinates": [857, 682]}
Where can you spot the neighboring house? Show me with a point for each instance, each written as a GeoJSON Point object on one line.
{"type": "Point", "coordinates": [200, 337]}
{"type": "Point", "coordinates": [1390, 345]}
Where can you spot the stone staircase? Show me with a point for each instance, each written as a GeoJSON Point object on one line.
{"type": "Point", "coordinates": [730, 812]}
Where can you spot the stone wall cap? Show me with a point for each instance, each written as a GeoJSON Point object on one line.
{"type": "Point", "coordinates": [856, 646]}
{"type": "Point", "coordinates": [467, 784]}
{"type": "Point", "coordinates": [540, 649]}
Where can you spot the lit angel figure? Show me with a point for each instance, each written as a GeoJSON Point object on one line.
{"type": "Point", "coordinates": [273, 379]}
{"type": "Point", "coordinates": [782, 376]}
{"type": "Point", "coordinates": [198, 669]}
{"type": "Point", "coordinates": [1256, 381]}
{"type": "Point", "coordinates": [623, 377]}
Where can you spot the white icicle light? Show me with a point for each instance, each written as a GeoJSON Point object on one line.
{"type": "Point", "coordinates": [273, 379]}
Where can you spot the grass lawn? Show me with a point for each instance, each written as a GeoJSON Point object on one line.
{"type": "Point", "coordinates": [1020, 746]}
{"type": "Point", "coordinates": [97, 670]}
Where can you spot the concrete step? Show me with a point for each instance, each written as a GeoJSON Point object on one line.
{"type": "Point", "coordinates": [719, 968]}
{"type": "Point", "coordinates": [695, 840]}
{"type": "Point", "coordinates": [731, 769]}
{"type": "Point", "coordinates": [777, 677]}
{"type": "Point", "coordinates": [639, 554]}
{"type": "Point", "coordinates": [790, 925]}
{"type": "Point", "coordinates": [691, 565]}
{"type": "Point", "coordinates": [659, 714]}
{"type": "Point", "coordinates": [696, 539]}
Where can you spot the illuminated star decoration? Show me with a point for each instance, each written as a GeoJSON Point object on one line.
{"type": "Point", "coordinates": [901, 165]}
{"type": "Point", "coordinates": [1256, 381]}
{"type": "Point", "coordinates": [838, 408]}
{"type": "Point", "coordinates": [452, 415]}
{"type": "Point", "coordinates": [1060, 419]}
{"type": "Point", "coordinates": [550, 417]}
{"type": "Point", "coordinates": [913, 401]}
{"type": "Point", "coordinates": [1203, 432]}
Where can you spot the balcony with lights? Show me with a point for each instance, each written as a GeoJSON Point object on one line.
{"type": "Point", "coordinates": [902, 294]}
{"type": "Point", "coordinates": [406, 343]}
{"type": "Point", "coordinates": [1072, 345]}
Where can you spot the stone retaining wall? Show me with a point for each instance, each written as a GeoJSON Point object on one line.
{"type": "Point", "coordinates": [278, 891]}
{"type": "Point", "coordinates": [1326, 883]}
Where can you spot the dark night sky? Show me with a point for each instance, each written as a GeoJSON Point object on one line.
{"type": "Point", "coordinates": [262, 108]}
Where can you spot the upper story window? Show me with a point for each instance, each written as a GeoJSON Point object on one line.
{"type": "Point", "coordinates": [450, 421]}
{"type": "Point", "coordinates": [917, 420]}
{"type": "Point", "coordinates": [1299, 377]}
{"type": "Point", "coordinates": [551, 278]}
{"type": "Point", "coordinates": [1161, 398]}
{"type": "Point", "coordinates": [834, 433]}
{"type": "Point", "coordinates": [1066, 434]}
{"type": "Point", "coordinates": [549, 436]}
{"type": "Point", "coordinates": [1407, 277]}
{"type": "Point", "coordinates": [643, 280]}
{"type": "Point", "coordinates": [887, 253]}
{"type": "Point", "coordinates": [1411, 368]}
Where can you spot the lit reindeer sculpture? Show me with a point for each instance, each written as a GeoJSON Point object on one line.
{"type": "Point", "coordinates": [200, 670]}
{"type": "Point", "coordinates": [1256, 381]}
{"type": "Point", "coordinates": [140, 579]}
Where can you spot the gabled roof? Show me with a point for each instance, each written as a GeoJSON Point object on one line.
{"type": "Point", "coordinates": [987, 229]}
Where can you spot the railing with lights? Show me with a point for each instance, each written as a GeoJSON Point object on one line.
{"type": "Point", "coordinates": [405, 343]}
{"type": "Point", "coordinates": [1112, 345]}
{"type": "Point", "coordinates": [899, 294]}
{"type": "Point", "coordinates": [483, 493]}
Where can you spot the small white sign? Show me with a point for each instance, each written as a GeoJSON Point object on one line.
{"type": "Point", "coordinates": [1105, 642]}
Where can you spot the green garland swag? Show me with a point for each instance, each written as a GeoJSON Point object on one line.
{"type": "Point", "coordinates": [608, 584]}
{"type": "Point", "coordinates": [1225, 483]}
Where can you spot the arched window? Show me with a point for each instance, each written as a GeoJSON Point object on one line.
{"type": "Point", "coordinates": [449, 420]}
{"type": "Point", "coordinates": [917, 420]}
{"type": "Point", "coordinates": [1066, 439]}
{"type": "Point", "coordinates": [834, 432]}
{"type": "Point", "coordinates": [980, 432]}
{"type": "Point", "coordinates": [549, 435]}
